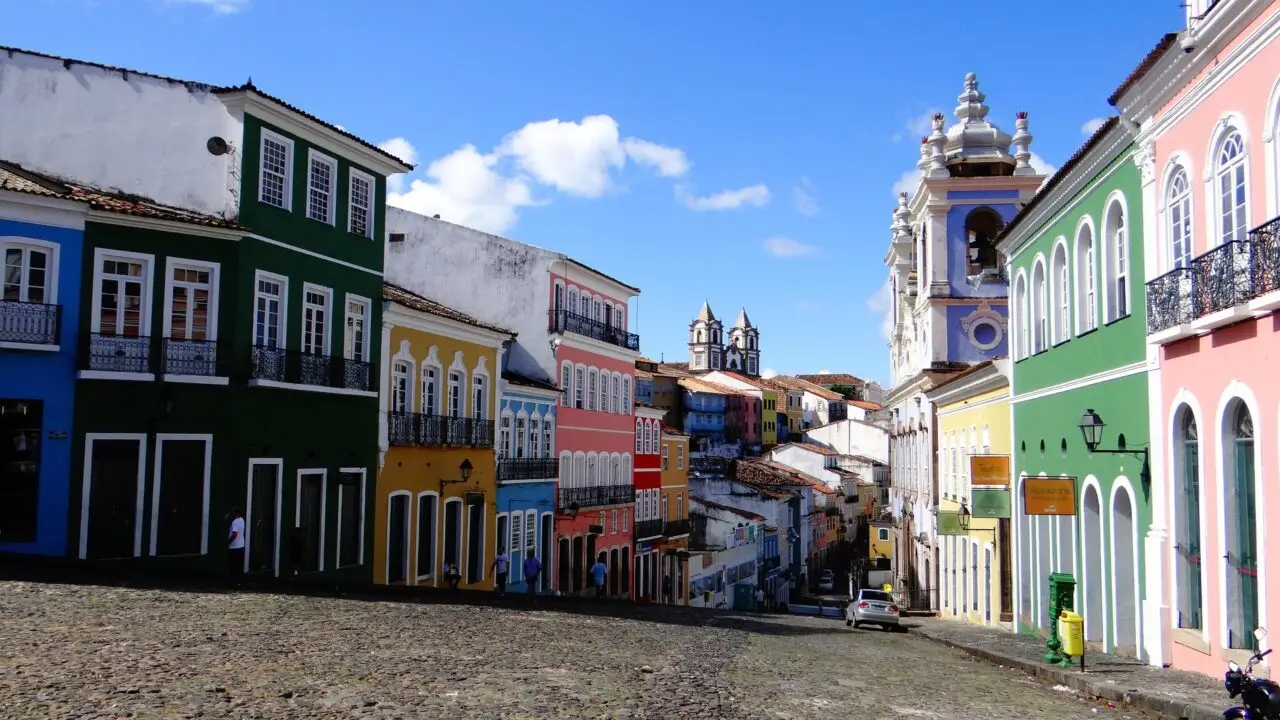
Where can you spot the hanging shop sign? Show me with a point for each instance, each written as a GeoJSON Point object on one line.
{"type": "Point", "coordinates": [1049, 496]}
{"type": "Point", "coordinates": [989, 470]}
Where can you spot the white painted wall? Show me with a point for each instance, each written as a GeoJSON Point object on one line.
{"type": "Point", "coordinates": [499, 281]}
{"type": "Point", "coordinates": [808, 462]}
{"type": "Point", "coordinates": [139, 135]}
{"type": "Point", "coordinates": [852, 437]}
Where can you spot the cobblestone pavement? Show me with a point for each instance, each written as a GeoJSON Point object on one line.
{"type": "Point", "coordinates": [99, 652]}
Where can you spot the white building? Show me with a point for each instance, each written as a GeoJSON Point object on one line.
{"type": "Point", "coordinates": [727, 570]}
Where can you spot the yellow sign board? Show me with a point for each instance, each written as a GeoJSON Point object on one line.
{"type": "Point", "coordinates": [989, 470]}
{"type": "Point", "coordinates": [1049, 496]}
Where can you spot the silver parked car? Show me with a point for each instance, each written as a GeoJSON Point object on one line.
{"type": "Point", "coordinates": [826, 581]}
{"type": "Point", "coordinates": [875, 607]}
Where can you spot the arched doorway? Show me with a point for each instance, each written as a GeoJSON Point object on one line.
{"type": "Point", "coordinates": [1124, 572]}
{"type": "Point", "coordinates": [1188, 569]}
{"type": "Point", "coordinates": [563, 566]}
{"type": "Point", "coordinates": [1044, 566]}
{"type": "Point", "coordinates": [1241, 529]}
{"type": "Point", "coordinates": [1091, 530]}
{"type": "Point", "coordinates": [1026, 582]}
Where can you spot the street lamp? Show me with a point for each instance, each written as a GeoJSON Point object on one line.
{"type": "Point", "coordinates": [964, 517]}
{"type": "Point", "coordinates": [464, 471]}
{"type": "Point", "coordinates": [1091, 427]}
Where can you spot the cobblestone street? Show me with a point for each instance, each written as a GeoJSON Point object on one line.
{"type": "Point", "coordinates": [99, 652]}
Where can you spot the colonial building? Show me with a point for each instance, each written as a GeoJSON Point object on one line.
{"type": "Point", "coordinates": [528, 465]}
{"type": "Point", "coordinates": [1204, 110]}
{"type": "Point", "coordinates": [226, 320]}
{"type": "Point", "coordinates": [1079, 346]}
{"type": "Point", "coordinates": [649, 518]}
{"type": "Point", "coordinates": [436, 488]}
{"type": "Point", "coordinates": [708, 350]}
{"type": "Point", "coordinates": [949, 293]}
{"type": "Point", "coordinates": [674, 546]}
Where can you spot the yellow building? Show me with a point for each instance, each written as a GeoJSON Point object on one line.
{"type": "Point", "coordinates": [880, 545]}
{"type": "Point", "coordinates": [675, 511]}
{"type": "Point", "coordinates": [974, 441]}
{"type": "Point", "coordinates": [437, 482]}
{"type": "Point", "coordinates": [769, 417]}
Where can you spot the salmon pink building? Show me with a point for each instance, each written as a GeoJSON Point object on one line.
{"type": "Point", "coordinates": [650, 515]}
{"type": "Point", "coordinates": [596, 357]}
{"type": "Point", "coordinates": [1204, 108]}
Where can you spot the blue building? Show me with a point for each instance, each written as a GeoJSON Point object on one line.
{"type": "Point", "coordinates": [41, 242]}
{"type": "Point", "coordinates": [527, 471]}
{"type": "Point", "coordinates": [705, 408]}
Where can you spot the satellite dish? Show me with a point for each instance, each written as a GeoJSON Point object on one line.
{"type": "Point", "coordinates": [217, 146]}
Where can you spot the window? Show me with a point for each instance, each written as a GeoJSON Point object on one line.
{"type": "Point", "coordinates": [521, 424]}
{"type": "Point", "coordinates": [350, 518]}
{"type": "Point", "coordinates": [535, 434]}
{"type": "Point", "coordinates": [599, 311]}
{"type": "Point", "coordinates": [1179, 214]}
{"type": "Point", "coordinates": [613, 521]}
{"type": "Point", "coordinates": [579, 386]}
{"type": "Point", "coordinates": [626, 394]}
{"type": "Point", "coordinates": [1116, 284]}
{"type": "Point", "coordinates": [664, 457]}
{"type": "Point", "coordinates": [28, 273]}
{"type": "Point", "coordinates": [504, 436]}
{"type": "Point", "coordinates": [1039, 318]}
{"type": "Point", "coordinates": [269, 305]}
{"type": "Point", "coordinates": [679, 457]}
{"type": "Point", "coordinates": [322, 176]}
{"type": "Point", "coordinates": [123, 296]}
{"type": "Point", "coordinates": [585, 309]}
{"type": "Point", "coordinates": [639, 436]}
{"type": "Point", "coordinates": [430, 405]}
{"type": "Point", "coordinates": [315, 319]}
{"type": "Point", "coordinates": [573, 300]}
{"type": "Point", "coordinates": [455, 394]}
{"type": "Point", "coordinates": [1061, 295]}
{"type": "Point", "coordinates": [517, 533]}
{"type": "Point", "coordinates": [547, 429]}
{"type": "Point", "coordinates": [679, 506]}
{"type": "Point", "coordinates": [479, 397]}
{"type": "Point", "coordinates": [626, 528]}
{"type": "Point", "coordinates": [1232, 197]}
{"type": "Point", "coordinates": [400, 386]}
{"type": "Point", "coordinates": [360, 205]}
{"type": "Point", "coordinates": [189, 298]}
{"type": "Point", "coordinates": [602, 403]}
{"type": "Point", "coordinates": [1187, 546]}
{"type": "Point", "coordinates": [1086, 300]}
{"type": "Point", "coordinates": [592, 376]}
{"type": "Point", "coordinates": [275, 186]}
{"type": "Point", "coordinates": [426, 536]}
{"type": "Point", "coordinates": [566, 384]}
{"type": "Point", "coordinates": [356, 345]}
{"type": "Point", "coordinates": [883, 534]}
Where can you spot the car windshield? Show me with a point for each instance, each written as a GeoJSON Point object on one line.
{"type": "Point", "coordinates": [827, 573]}
{"type": "Point", "coordinates": [876, 595]}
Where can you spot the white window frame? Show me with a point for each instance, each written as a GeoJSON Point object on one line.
{"type": "Point", "coordinates": [331, 193]}
{"type": "Point", "coordinates": [148, 286]}
{"type": "Point", "coordinates": [666, 460]}
{"type": "Point", "coordinates": [324, 507]}
{"type": "Point", "coordinates": [367, 306]}
{"type": "Point", "coordinates": [1116, 259]}
{"type": "Point", "coordinates": [680, 455]}
{"type": "Point", "coordinates": [157, 479]}
{"type": "Point", "coordinates": [506, 426]}
{"type": "Point", "coordinates": [53, 250]}
{"type": "Point", "coordinates": [520, 433]}
{"type": "Point", "coordinates": [1229, 127]}
{"type": "Point", "coordinates": [396, 378]}
{"type": "Point", "coordinates": [1039, 306]}
{"type": "Point", "coordinates": [535, 436]}
{"type": "Point", "coordinates": [1060, 291]}
{"type": "Point", "coordinates": [214, 269]}
{"type": "Point", "coordinates": [86, 487]}
{"type": "Point", "coordinates": [460, 386]}
{"type": "Point", "coordinates": [548, 434]}
{"type": "Point", "coordinates": [352, 207]}
{"type": "Point", "coordinates": [328, 320]}
{"type": "Point", "coordinates": [479, 373]}
{"type": "Point", "coordinates": [1022, 315]}
{"type": "Point", "coordinates": [282, 317]}
{"type": "Point", "coordinates": [430, 402]}
{"type": "Point", "coordinates": [1184, 202]}
{"type": "Point", "coordinates": [1086, 275]}
{"type": "Point", "coordinates": [287, 180]}
{"type": "Point", "coordinates": [364, 484]}
{"type": "Point", "coordinates": [593, 388]}
{"type": "Point", "coordinates": [566, 384]}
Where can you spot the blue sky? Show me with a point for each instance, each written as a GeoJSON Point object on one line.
{"type": "Point", "coordinates": [744, 153]}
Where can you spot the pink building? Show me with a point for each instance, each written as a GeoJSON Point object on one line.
{"type": "Point", "coordinates": [1204, 107]}
{"type": "Point", "coordinates": [596, 357]}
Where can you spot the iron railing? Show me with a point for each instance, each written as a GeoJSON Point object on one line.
{"type": "Point", "coordinates": [564, 321]}
{"type": "Point", "coordinates": [676, 528]}
{"type": "Point", "coordinates": [303, 368]}
{"type": "Point", "coordinates": [30, 323]}
{"type": "Point", "coordinates": [648, 529]}
{"type": "Point", "coordinates": [580, 498]}
{"type": "Point", "coordinates": [1264, 272]}
{"type": "Point", "coordinates": [407, 429]}
{"type": "Point", "coordinates": [192, 357]}
{"type": "Point", "coordinates": [1169, 300]}
{"type": "Point", "coordinates": [115, 353]}
{"type": "Point", "coordinates": [1221, 278]}
{"type": "Point", "coordinates": [528, 468]}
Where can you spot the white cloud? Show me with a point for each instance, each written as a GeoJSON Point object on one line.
{"type": "Point", "coordinates": [780, 246]}
{"type": "Point", "coordinates": [1091, 126]}
{"type": "Point", "coordinates": [882, 302]}
{"type": "Point", "coordinates": [756, 195]}
{"type": "Point", "coordinates": [824, 371]}
{"type": "Point", "coordinates": [222, 7]}
{"type": "Point", "coordinates": [917, 126]}
{"type": "Point", "coordinates": [802, 194]}
{"type": "Point", "coordinates": [486, 190]}
{"type": "Point", "coordinates": [768, 373]}
{"type": "Point", "coordinates": [906, 183]}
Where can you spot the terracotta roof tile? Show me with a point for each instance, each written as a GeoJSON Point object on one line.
{"type": "Point", "coordinates": [1143, 67]}
{"type": "Point", "coordinates": [516, 378]}
{"type": "Point", "coordinates": [400, 296]}
{"type": "Point", "coordinates": [699, 385]}
{"type": "Point", "coordinates": [832, 379]}
{"type": "Point", "coordinates": [866, 405]}
{"type": "Point", "coordinates": [809, 446]}
{"type": "Point", "coordinates": [798, 384]}
{"type": "Point", "coordinates": [728, 508]}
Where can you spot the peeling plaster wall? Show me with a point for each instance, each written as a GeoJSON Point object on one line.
{"type": "Point", "coordinates": [118, 131]}
{"type": "Point", "coordinates": [493, 279]}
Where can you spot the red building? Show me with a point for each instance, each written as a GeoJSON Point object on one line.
{"type": "Point", "coordinates": [648, 484]}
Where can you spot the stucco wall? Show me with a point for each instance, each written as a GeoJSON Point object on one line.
{"type": "Point", "coordinates": [853, 437]}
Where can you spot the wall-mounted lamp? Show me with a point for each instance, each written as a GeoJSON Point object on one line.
{"type": "Point", "coordinates": [1091, 427]}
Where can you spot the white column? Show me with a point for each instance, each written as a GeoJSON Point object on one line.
{"type": "Point", "coordinates": [1157, 617]}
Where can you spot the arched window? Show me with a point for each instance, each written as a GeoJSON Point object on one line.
{"type": "Point", "coordinates": [1117, 264]}
{"type": "Point", "coordinates": [1022, 310]}
{"type": "Point", "coordinates": [573, 300]}
{"type": "Point", "coordinates": [1231, 192]}
{"type": "Point", "coordinates": [400, 387]}
{"type": "Point", "coordinates": [1061, 293]}
{"type": "Point", "coordinates": [593, 378]}
{"type": "Point", "coordinates": [615, 403]}
{"type": "Point", "coordinates": [1086, 281]}
{"type": "Point", "coordinates": [1179, 218]}
{"type": "Point", "coordinates": [982, 226]}
{"type": "Point", "coordinates": [1241, 531]}
{"type": "Point", "coordinates": [639, 436]}
{"type": "Point", "coordinates": [559, 301]}
{"type": "Point", "coordinates": [1186, 448]}
{"type": "Point", "coordinates": [1039, 301]}
{"type": "Point", "coordinates": [698, 336]}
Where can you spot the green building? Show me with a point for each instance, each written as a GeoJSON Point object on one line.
{"type": "Point", "coordinates": [233, 362]}
{"type": "Point", "coordinates": [1079, 325]}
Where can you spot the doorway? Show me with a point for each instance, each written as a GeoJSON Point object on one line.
{"type": "Point", "coordinates": [398, 539]}
{"type": "Point", "coordinates": [1091, 529]}
{"type": "Point", "coordinates": [262, 517]}
{"type": "Point", "coordinates": [111, 506]}
{"type": "Point", "coordinates": [309, 519]}
{"type": "Point", "coordinates": [1124, 551]}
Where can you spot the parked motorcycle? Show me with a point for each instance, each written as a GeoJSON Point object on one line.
{"type": "Point", "coordinates": [1260, 696]}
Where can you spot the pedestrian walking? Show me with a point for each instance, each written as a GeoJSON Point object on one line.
{"type": "Point", "coordinates": [666, 589]}
{"type": "Point", "coordinates": [451, 575]}
{"type": "Point", "coordinates": [501, 566]}
{"type": "Point", "coordinates": [235, 548]}
{"type": "Point", "coordinates": [760, 599]}
{"type": "Point", "coordinates": [532, 568]}
{"type": "Point", "coordinates": [598, 572]}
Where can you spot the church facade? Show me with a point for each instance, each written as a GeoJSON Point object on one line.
{"type": "Point", "coordinates": [709, 350]}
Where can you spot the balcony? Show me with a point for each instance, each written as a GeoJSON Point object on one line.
{"type": "Point", "coordinates": [176, 360]}
{"type": "Point", "coordinates": [406, 429]}
{"type": "Point", "coordinates": [192, 358]}
{"type": "Point", "coordinates": [646, 529]}
{"type": "Point", "coordinates": [116, 353]}
{"type": "Point", "coordinates": [562, 321]}
{"type": "Point", "coordinates": [573, 499]}
{"type": "Point", "coordinates": [676, 528]}
{"type": "Point", "coordinates": [31, 325]}
{"type": "Point", "coordinates": [527, 469]}
{"type": "Point", "coordinates": [277, 365]}
{"type": "Point", "coordinates": [1232, 282]}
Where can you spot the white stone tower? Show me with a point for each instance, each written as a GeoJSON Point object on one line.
{"type": "Point", "coordinates": [706, 335]}
{"type": "Point", "coordinates": [744, 344]}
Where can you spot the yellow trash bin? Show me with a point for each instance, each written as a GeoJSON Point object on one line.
{"type": "Point", "coordinates": [1071, 633]}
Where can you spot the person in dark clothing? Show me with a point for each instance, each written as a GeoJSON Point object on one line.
{"type": "Point", "coordinates": [235, 548]}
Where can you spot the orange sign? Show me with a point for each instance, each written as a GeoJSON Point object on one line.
{"type": "Point", "coordinates": [989, 470]}
{"type": "Point", "coordinates": [1049, 496]}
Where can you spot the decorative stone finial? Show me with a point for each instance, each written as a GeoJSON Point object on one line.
{"type": "Point", "coordinates": [970, 106]}
{"type": "Point", "coordinates": [901, 226]}
{"type": "Point", "coordinates": [1022, 146]}
{"type": "Point", "coordinates": [923, 162]}
{"type": "Point", "coordinates": [938, 148]}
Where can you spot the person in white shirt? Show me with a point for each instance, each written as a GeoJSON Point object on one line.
{"type": "Point", "coordinates": [235, 548]}
{"type": "Point", "coordinates": [501, 566]}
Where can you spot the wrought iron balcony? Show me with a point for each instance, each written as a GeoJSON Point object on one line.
{"type": "Point", "coordinates": [406, 429]}
{"type": "Point", "coordinates": [648, 529]}
{"type": "Point", "coordinates": [527, 468]}
{"type": "Point", "coordinates": [30, 323]}
{"type": "Point", "coordinates": [1169, 300]}
{"type": "Point", "coordinates": [1265, 269]}
{"type": "Point", "coordinates": [676, 528]}
{"type": "Point", "coordinates": [302, 368]}
{"type": "Point", "coordinates": [572, 499]}
{"type": "Point", "coordinates": [115, 353]}
{"type": "Point", "coordinates": [563, 321]}
{"type": "Point", "coordinates": [1221, 278]}
{"type": "Point", "coordinates": [200, 358]}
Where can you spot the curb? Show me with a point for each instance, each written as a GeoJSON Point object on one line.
{"type": "Point", "coordinates": [1087, 686]}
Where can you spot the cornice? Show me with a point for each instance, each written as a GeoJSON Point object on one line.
{"type": "Point", "coordinates": [167, 226]}
{"type": "Point", "coordinates": [995, 376]}
{"type": "Point", "coordinates": [511, 390]}
{"type": "Point", "coordinates": [591, 345]}
{"type": "Point", "coordinates": [41, 210]}
{"type": "Point", "coordinates": [598, 280]}
{"type": "Point", "coordinates": [396, 315]}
